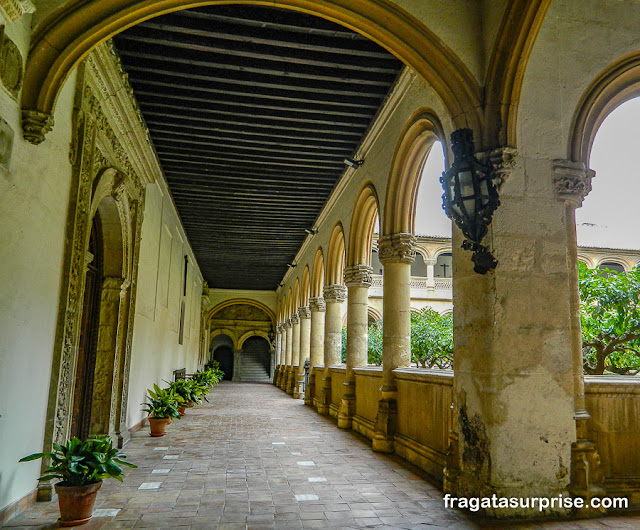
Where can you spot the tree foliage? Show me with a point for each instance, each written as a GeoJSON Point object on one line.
{"type": "Point", "coordinates": [374, 341]}
{"type": "Point", "coordinates": [610, 320]}
{"type": "Point", "coordinates": [431, 339]}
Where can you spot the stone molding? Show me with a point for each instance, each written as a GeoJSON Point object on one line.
{"type": "Point", "coordinates": [572, 181]}
{"type": "Point", "coordinates": [397, 248]}
{"type": "Point", "coordinates": [295, 319]}
{"type": "Point", "coordinates": [358, 276]}
{"type": "Point", "coordinates": [287, 324]}
{"type": "Point", "coordinates": [335, 293]}
{"type": "Point", "coordinates": [317, 303]}
{"type": "Point", "coordinates": [15, 9]}
{"type": "Point", "coordinates": [304, 312]}
{"type": "Point", "coordinates": [503, 160]}
{"type": "Point", "coordinates": [35, 125]}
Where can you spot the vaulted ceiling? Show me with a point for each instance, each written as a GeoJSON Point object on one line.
{"type": "Point", "coordinates": [252, 111]}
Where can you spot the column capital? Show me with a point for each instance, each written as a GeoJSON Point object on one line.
{"type": "Point", "coordinates": [295, 319]}
{"type": "Point", "coordinates": [304, 312]}
{"type": "Point", "coordinates": [572, 181]}
{"type": "Point", "coordinates": [358, 275]}
{"type": "Point", "coordinates": [317, 304]}
{"type": "Point", "coordinates": [335, 293]}
{"type": "Point", "coordinates": [279, 328]}
{"type": "Point", "coordinates": [430, 261]}
{"type": "Point", "coordinates": [502, 160]}
{"type": "Point", "coordinates": [397, 248]}
{"type": "Point", "coordinates": [287, 324]}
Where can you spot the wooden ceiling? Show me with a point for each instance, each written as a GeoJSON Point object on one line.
{"type": "Point", "coordinates": [252, 111]}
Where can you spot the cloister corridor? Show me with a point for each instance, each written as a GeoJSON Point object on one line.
{"type": "Point", "coordinates": [255, 458]}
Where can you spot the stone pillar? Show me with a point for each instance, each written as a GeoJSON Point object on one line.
{"type": "Point", "coordinates": [431, 281]}
{"type": "Point", "coordinates": [572, 184]}
{"type": "Point", "coordinates": [278, 354]}
{"type": "Point", "coordinates": [295, 352]}
{"type": "Point", "coordinates": [513, 385]}
{"type": "Point", "coordinates": [305, 337]}
{"type": "Point", "coordinates": [316, 355]}
{"type": "Point", "coordinates": [237, 365]}
{"type": "Point", "coordinates": [334, 295]}
{"type": "Point", "coordinates": [358, 280]}
{"type": "Point", "coordinates": [397, 252]}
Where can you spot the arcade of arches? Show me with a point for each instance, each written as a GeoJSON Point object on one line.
{"type": "Point", "coordinates": [145, 232]}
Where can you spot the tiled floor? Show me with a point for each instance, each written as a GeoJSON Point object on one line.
{"type": "Point", "coordinates": [255, 458]}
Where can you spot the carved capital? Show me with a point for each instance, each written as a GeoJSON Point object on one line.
{"type": "Point", "coordinates": [287, 324]}
{"type": "Point", "coordinates": [317, 304]}
{"type": "Point", "coordinates": [16, 8]}
{"type": "Point", "coordinates": [295, 319]}
{"type": "Point", "coordinates": [35, 125]}
{"type": "Point", "coordinates": [430, 261]}
{"type": "Point", "coordinates": [304, 312]}
{"type": "Point", "coordinates": [358, 276]}
{"type": "Point", "coordinates": [503, 160]}
{"type": "Point", "coordinates": [335, 293]}
{"type": "Point", "coordinates": [397, 248]}
{"type": "Point", "coordinates": [572, 181]}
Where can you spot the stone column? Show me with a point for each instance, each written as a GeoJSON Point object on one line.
{"type": "Point", "coordinates": [305, 337]}
{"type": "Point", "coordinates": [358, 280]}
{"type": "Point", "coordinates": [397, 252]}
{"type": "Point", "coordinates": [295, 352]}
{"type": "Point", "coordinates": [237, 365]}
{"type": "Point", "coordinates": [278, 354]}
{"type": "Point", "coordinates": [316, 355]}
{"type": "Point", "coordinates": [572, 185]}
{"type": "Point", "coordinates": [431, 282]}
{"type": "Point", "coordinates": [334, 295]}
{"type": "Point", "coordinates": [513, 385]}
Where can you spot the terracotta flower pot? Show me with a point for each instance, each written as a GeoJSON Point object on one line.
{"type": "Point", "coordinates": [181, 410]}
{"type": "Point", "coordinates": [189, 403]}
{"type": "Point", "coordinates": [76, 503]}
{"type": "Point", "coordinates": [158, 426]}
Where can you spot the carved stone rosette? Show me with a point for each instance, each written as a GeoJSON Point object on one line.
{"type": "Point", "coordinates": [397, 248]}
{"type": "Point", "coordinates": [572, 181]}
{"type": "Point", "coordinates": [304, 312]}
{"type": "Point", "coordinates": [334, 293]}
{"type": "Point", "coordinates": [358, 276]}
{"type": "Point", "coordinates": [295, 319]}
{"type": "Point", "coordinates": [317, 303]}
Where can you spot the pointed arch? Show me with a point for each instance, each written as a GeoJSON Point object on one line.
{"type": "Point", "coordinates": [417, 138]}
{"type": "Point", "coordinates": [295, 302]}
{"type": "Point", "coordinates": [317, 278]}
{"type": "Point", "coordinates": [334, 274]}
{"type": "Point", "coordinates": [65, 37]}
{"type": "Point", "coordinates": [288, 311]}
{"type": "Point", "coordinates": [616, 84]}
{"type": "Point", "coordinates": [305, 287]}
{"type": "Point", "coordinates": [363, 220]}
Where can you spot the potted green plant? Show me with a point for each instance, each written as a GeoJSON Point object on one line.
{"type": "Point", "coordinates": [163, 405]}
{"type": "Point", "coordinates": [189, 390]}
{"type": "Point", "coordinates": [81, 465]}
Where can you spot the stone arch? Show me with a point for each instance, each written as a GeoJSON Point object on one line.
{"type": "Point", "coordinates": [616, 84]}
{"type": "Point", "coordinates": [317, 274]}
{"type": "Point", "coordinates": [334, 273]}
{"type": "Point", "coordinates": [441, 250]}
{"type": "Point", "coordinates": [224, 331]}
{"type": "Point", "coordinates": [612, 259]}
{"type": "Point", "coordinates": [295, 301]}
{"type": "Point", "coordinates": [246, 301]}
{"type": "Point", "coordinates": [305, 287]}
{"type": "Point", "coordinates": [374, 313]}
{"type": "Point", "coordinates": [288, 311]}
{"type": "Point", "coordinates": [418, 136]}
{"type": "Point", "coordinates": [363, 221]}
{"type": "Point", "coordinates": [586, 260]}
{"type": "Point", "coordinates": [68, 34]}
{"type": "Point", "coordinates": [254, 333]}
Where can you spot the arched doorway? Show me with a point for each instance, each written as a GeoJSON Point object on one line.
{"type": "Point", "coordinates": [86, 361]}
{"type": "Point", "coordinates": [256, 360]}
{"type": "Point", "coordinates": [222, 352]}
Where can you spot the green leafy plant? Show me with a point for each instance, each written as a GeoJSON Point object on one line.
{"type": "Point", "coordinates": [163, 403]}
{"type": "Point", "coordinates": [431, 339]}
{"type": "Point", "coordinates": [374, 343]}
{"type": "Point", "coordinates": [79, 462]}
{"type": "Point", "coordinates": [189, 390]}
{"type": "Point", "coordinates": [610, 320]}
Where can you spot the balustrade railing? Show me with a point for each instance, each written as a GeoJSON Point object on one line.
{"type": "Point", "coordinates": [417, 282]}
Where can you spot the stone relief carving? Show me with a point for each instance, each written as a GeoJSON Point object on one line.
{"type": "Point", "coordinates": [358, 276]}
{"type": "Point", "coordinates": [304, 312]}
{"type": "Point", "coordinates": [295, 319]}
{"type": "Point", "coordinates": [335, 293]}
{"type": "Point", "coordinates": [11, 64]}
{"type": "Point", "coordinates": [15, 9]}
{"type": "Point", "coordinates": [572, 181]}
{"type": "Point", "coordinates": [397, 248]}
{"type": "Point", "coordinates": [317, 303]}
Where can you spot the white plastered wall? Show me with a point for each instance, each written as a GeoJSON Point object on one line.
{"type": "Point", "coordinates": [33, 216]}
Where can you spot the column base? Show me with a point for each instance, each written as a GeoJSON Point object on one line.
{"type": "Point", "coordinates": [386, 424]}
{"type": "Point", "coordinates": [298, 393]}
{"type": "Point", "coordinates": [275, 375]}
{"type": "Point", "coordinates": [291, 380]}
{"type": "Point", "coordinates": [586, 478]}
{"type": "Point", "coordinates": [345, 414]}
{"type": "Point", "coordinates": [324, 401]}
{"type": "Point", "coordinates": [310, 390]}
{"type": "Point", "coordinates": [450, 472]}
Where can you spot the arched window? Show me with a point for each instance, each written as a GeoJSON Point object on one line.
{"type": "Point", "coordinates": [609, 267]}
{"type": "Point", "coordinates": [443, 268]}
{"type": "Point", "coordinates": [418, 267]}
{"type": "Point", "coordinates": [375, 262]}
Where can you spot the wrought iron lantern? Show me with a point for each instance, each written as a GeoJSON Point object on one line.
{"type": "Point", "coordinates": [271, 335]}
{"type": "Point", "coordinates": [470, 198]}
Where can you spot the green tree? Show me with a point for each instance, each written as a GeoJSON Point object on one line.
{"type": "Point", "coordinates": [344, 344]}
{"type": "Point", "coordinates": [610, 320]}
{"type": "Point", "coordinates": [374, 343]}
{"type": "Point", "coordinates": [431, 339]}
